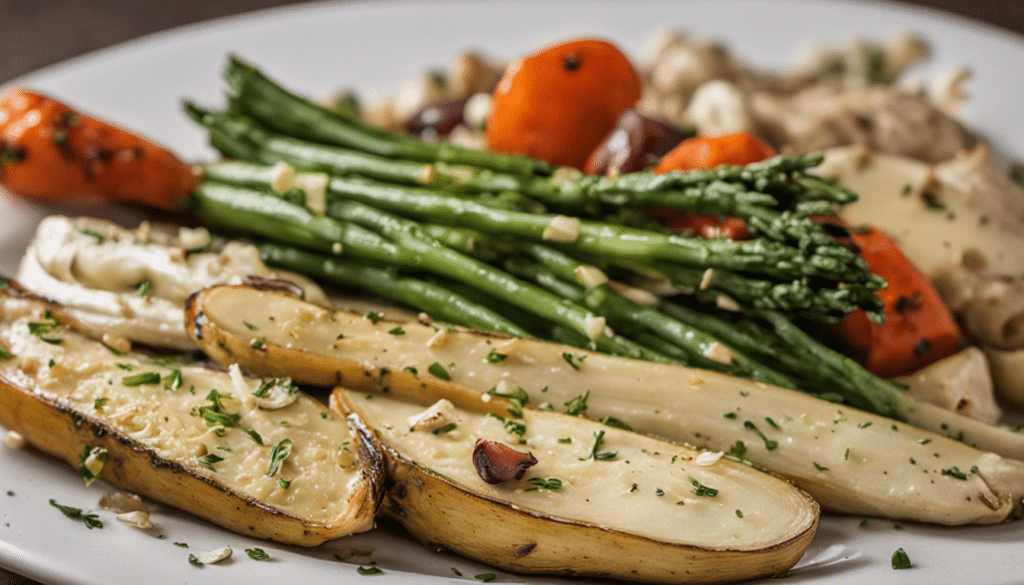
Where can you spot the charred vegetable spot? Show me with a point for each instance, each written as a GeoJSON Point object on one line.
{"type": "Point", "coordinates": [497, 463]}
{"type": "Point", "coordinates": [197, 325]}
{"type": "Point", "coordinates": [94, 159]}
{"type": "Point", "coordinates": [10, 153]}
{"type": "Point", "coordinates": [523, 550]}
{"type": "Point", "coordinates": [841, 235]}
{"type": "Point", "coordinates": [635, 143]}
{"type": "Point", "coordinates": [921, 348]}
{"type": "Point", "coordinates": [274, 284]}
{"type": "Point", "coordinates": [904, 302]}
{"type": "Point", "coordinates": [571, 62]}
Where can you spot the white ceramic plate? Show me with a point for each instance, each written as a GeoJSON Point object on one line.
{"type": "Point", "coordinates": [371, 47]}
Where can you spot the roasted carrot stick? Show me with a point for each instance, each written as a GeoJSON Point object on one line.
{"type": "Point", "coordinates": [918, 330]}
{"type": "Point", "coordinates": [559, 103]}
{"type": "Point", "coordinates": [50, 152]}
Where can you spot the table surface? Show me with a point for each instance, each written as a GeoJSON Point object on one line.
{"type": "Point", "coordinates": [37, 33]}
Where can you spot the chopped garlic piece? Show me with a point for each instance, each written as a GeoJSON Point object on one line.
{"type": "Point", "coordinates": [719, 353]}
{"type": "Point", "coordinates": [439, 339]}
{"type": "Point", "coordinates": [122, 503]}
{"type": "Point", "coordinates": [434, 417]}
{"type": "Point", "coordinates": [562, 229]}
{"type": "Point", "coordinates": [137, 519]}
{"type": "Point", "coordinates": [708, 458]}
{"type": "Point", "coordinates": [595, 326]}
{"type": "Point", "coordinates": [314, 185]}
{"type": "Point", "coordinates": [637, 295]}
{"type": "Point", "coordinates": [705, 279]}
{"type": "Point", "coordinates": [590, 276]}
{"type": "Point", "coordinates": [193, 238]}
{"type": "Point", "coordinates": [214, 556]}
{"type": "Point", "coordinates": [238, 380]}
{"type": "Point", "coordinates": [14, 440]}
{"type": "Point", "coordinates": [727, 304]}
{"type": "Point", "coordinates": [282, 177]}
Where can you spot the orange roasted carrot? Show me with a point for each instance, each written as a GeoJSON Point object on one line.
{"type": "Point", "coordinates": [706, 152]}
{"type": "Point", "coordinates": [559, 103]}
{"type": "Point", "coordinates": [919, 329]}
{"type": "Point", "coordinates": [50, 152]}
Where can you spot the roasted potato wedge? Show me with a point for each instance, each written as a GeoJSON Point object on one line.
{"type": "Point", "coordinates": [850, 461]}
{"type": "Point", "coordinates": [599, 501]}
{"type": "Point", "coordinates": [189, 436]}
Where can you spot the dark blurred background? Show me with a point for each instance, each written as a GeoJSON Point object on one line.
{"type": "Point", "coordinates": [34, 33]}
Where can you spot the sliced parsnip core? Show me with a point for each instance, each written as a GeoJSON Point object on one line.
{"type": "Point", "coordinates": [648, 488]}
{"type": "Point", "coordinates": [84, 376]}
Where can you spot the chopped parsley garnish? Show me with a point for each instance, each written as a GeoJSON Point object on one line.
{"type": "Point", "coordinates": [181, 544]}
{"type": "Point", "coordinates": [4, 354]}
{"type": "Point", "coordinates": [738, 450]}
{"type": "Point", "coordinates": [438, 371]}
{"type": "Point", "coordinates": [739, 513]}
{"type": "Point", "coordinates": [285, 384]}
{"type": "Point", "coordinates": [195, 562]}
{"type": "Point", "coordinates": [373, 316]}
{"type": "Point", "coordinates": [900, 560]}
{"type": "Point", "coordinates": [284, 483]}
{"type": "Point", "coordinates": [256, 343]}
{"type": "Point", "coordinates": [703, 490]}
{"type": "Point", "coordinates": [955, 473]}
{"type": "Point", "coordinates": [494, 357]}
{"type": "Point", "coordinates": [141, 378]}
{"type": "Point", "coordinates": [90, 520]}
{"type": "Point", "coordinates": [41, 328]}
{"type": "Point", "coordinates": [100, 238]}
{"type": "Point", "coordinates": [251, 327]}
{"type": "Point", "coordinates": [91, 462]}
{"type": "Point", "coordinates": [517, 397]}
{"type": "Point", "coordinates": [255, 436]}
{"type": "Point", "coordinates": [573, 359]}
{"type": "Point", "coordinates": [370, 570]}
{"type": "Point", "coordinates": [445, 429]}
{"type": "Point", "coordinates": [257, 554]}
{"type": "Point", "coordinates": [281, 451]}
{"type": "Point", "coordinates": [594, 450]}
{"type": "Point", "coordinates": [565, 440]}
{"type": "Point", "coordinates": [613, 422]}
{"type": "Point", "coordinates": [820, 467]}
{"type": "Point", "coordinates": [552, 484]}
{"type": "Point", "coordinates": [578, 405]}
{"type": "Point", "coordinates": [209, 460]}
{"type": "Point", "coordinates": [172, 381]}
{"type": "Point", "coordinates": [768, 443]}
{"type": "Point", "coordinates": [864, 424]}
{"type": "Point", "coordinates": [397, 331]}
{"type": "Point", "coordinates": [659, 492]}
{"type": "Point", "coordinates": [99, 402]}
{"type": "Point", "coordinates": [486, 577]}
{"type": "Point", "coordinates": [215, 415]}
{"type": "Point", "coordinates": [143, 288]}
{"type": "Point", "coordinates": [412, 370]}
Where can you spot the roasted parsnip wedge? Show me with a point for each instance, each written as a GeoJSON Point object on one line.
{"type": "Point", "coordinates": [129, 285]}
{"type": "Point", "coordinates": [592, 494]}
{"type": "Point", "coordinates": [850, 461]}
{"type": "Point", "coordinates": [188, 436]}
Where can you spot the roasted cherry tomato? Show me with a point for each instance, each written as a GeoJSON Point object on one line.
{"type": "Point", "coordinates": [558, 104]}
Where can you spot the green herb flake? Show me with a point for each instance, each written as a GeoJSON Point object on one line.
{"type": "Point", "coordinates": [181, 544]}
{"type": "Point", "coordinates": [820, 467]}
{"type": "Point", "coordinates": [539, 483]}
{"type": "Point", "coordinates": [445, 429]}
{"type": "Point", "coordinates": [613, 422]}
{"type": "Point", "coordinates": [768, 443]}
{"type": "Point", "coordinates": [124, 366]}
{"type": "Point", "coordinates": [486, 577]}
{"type": "Point", "coordinates": [41, 328]}
{"type": "Point", "coordinates": [573, 359]}
{"type": "Point", "coordinates": [703, 490]}
{"type": "Point", "coordinates": [864, 424]}
{"type": "Point", "coordinates": [730, 415]}
{"type": "Point", "coordinates": [281, 450]}
{"type": "Point", "coordinates": [143, 288]}
{"type": "Point", "coordinates": [195, 562]}
{"type": "Point", "coordinates": [257, 554]}
{"type": "Point", "coordinates": [456, 571]}
{"type": "Point", "coordinates": [578, 405]}
{"type": "Point", "coordinates": [438, 371]}
{"type": "Point", "coordinates": [594, 450]}
{"type": "Point", "coordinates": [256, 343]}
{"type": "Point", "coordinates": [739, 513]}
{"type": "Point", "coordinates": [100, 238]}
{"type": "Point", "coordinates": [215, 415]}
{"type": "Point", "coordinates": [209, 460]}
{"type": "Point", "coordinates": [370, 570]}
{"type": "Point", "coordinates": [5, 354]}
{"type": "Point", "coordinates": [412, 370]}
{"type": "Point", "coordinates": [373, 316]}
{"type": "Point", "coordinates": [172, 381]}
{"type": "Point", "coordinates": [99, 402]}
{"type": "Point", "coordinates": [565, 440]}
{"type": "Point", "coordinates": [91, 462]}
{"type": "Point", "coordinates": [396, 331]}
{"type": "Point", "coordinates": [955, 473]}
{"type": "Point", "coordinates": [738, 450]}
{"type": "Point", "coordinates": [659, 492]}
{"type": "Point", "coordinates": [864, 523]}
{"type": "Point", "coordinates": [141, 379]}
{"type": "Point", "coordinates": [284, 483]}
{"type": "Point", "coordinates": [251, 327]}
{"type": "Point", "coordinates": [90, 520]}
{"type": "Point", "coordinates": [495, 357]}
{"type": "Point", "coordinates": [900, 560]}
